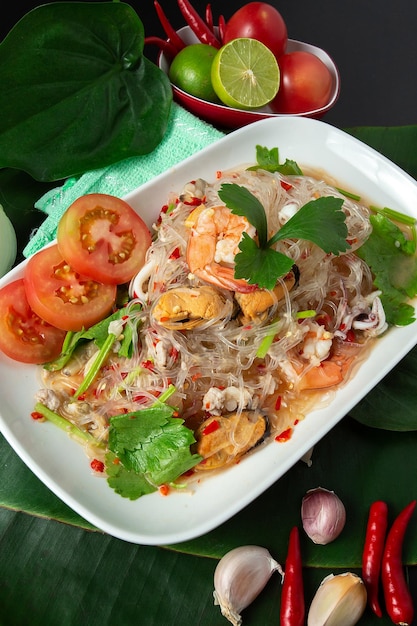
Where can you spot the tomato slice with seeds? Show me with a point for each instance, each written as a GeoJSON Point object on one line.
{"type": "Point", "coordinates": [24, 336]}
{"type": "Point", "coordinates": [102, 236]}
{"type": "Point", "coordinates": [62, 296]}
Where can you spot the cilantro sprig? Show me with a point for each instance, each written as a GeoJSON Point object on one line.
{"type": "Point", "coordinates": [320, 221]}
{"type": "Point", "coordinates": [148, 448]}
{"type": "Point", "coordinates": [391, 257]}
{"type": "Point", "coordinates": [269, 160]}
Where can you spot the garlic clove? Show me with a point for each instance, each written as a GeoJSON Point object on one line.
{"type": "Point", "coordinates": [239, 577]}
{"type": "Point", "coordinates": [323, 515]}
{"type": "Point", "coordinates": [339, 601]}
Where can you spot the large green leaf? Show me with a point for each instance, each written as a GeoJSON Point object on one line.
{"type": "Point", "coordinates": [80, 94]}
{"type": "Point", "coordinates": [397, 143]}
{"type": "Point", "coordinates": [52, 574]}
{"type": "Point", "coordinates": [392, 405]}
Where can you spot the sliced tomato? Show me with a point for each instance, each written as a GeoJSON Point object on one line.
{"type": "Point", "coordinates": [62, 296]}
{"type": "Point", "coordinates": [24, 336]}
{"type": "Point", "coordinates": [102, 236]}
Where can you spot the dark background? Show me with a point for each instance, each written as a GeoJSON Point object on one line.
{"type": "Point", "coordinates": [374, 45]}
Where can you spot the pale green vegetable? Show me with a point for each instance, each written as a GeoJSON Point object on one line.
{"type": "Point", "coordinates": [8, 243]}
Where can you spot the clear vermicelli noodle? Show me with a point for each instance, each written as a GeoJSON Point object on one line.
{"type": "Point", "coordinates": [247, 363]}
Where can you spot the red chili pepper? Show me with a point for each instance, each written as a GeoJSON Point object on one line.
{"type": "Point", "coordinates": [175, 254]}
{"type": "Point", "coordinates": [194, 201]}
{"type": "Point", "coordinates": [209, 17]}
{"type": "Point", "coordinates": [285, 435]}
{"type": "Point", "coordinates": [211, 428]}
{"type": "Point", "coordinates": [148, 365]}
{"type": "Point", "coordinates": [165, 46]}
{"type": "Point", "coordinates": [292, 597]}
{"type": "Point", "coordinates": [36, 415]}
{"type": "Point", "coordinates": [372, 552]}
{"type": "Point", "coordinates": [197, 24]}
{"type": "Point", "coordinates": [398, 599]}
{"type": "Point", "coordinates": [163, 490]}
{"type": "Point", "coordinates": [222, 28]}
{"type": "Point", "coordinates": [170, 31]}
{"type": "Point", "coordinates": [97, 466]}
{"type": "Point", "coordinates": [350, 336]}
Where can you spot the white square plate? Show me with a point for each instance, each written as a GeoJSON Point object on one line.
{"type": "Point", "coordinates": [61, 464]}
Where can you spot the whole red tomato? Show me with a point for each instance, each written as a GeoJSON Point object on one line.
{"type": "Point", "coordinates": [261, 21]}
{"type": "Point", "coordinates": [306, 83]}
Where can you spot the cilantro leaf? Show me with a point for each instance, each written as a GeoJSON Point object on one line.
{"type": "Point", "coordinates": [152, 448]}
{"type": "Point", "coordinates": [126, 483]}
{"type": "Point", "coordinates": [390, 256]}
{"type": "Point", "coordinates": [321, 221]}
{"type": "Point", "coordinates": [242, 202]}
{"type": "Point", "coordinates": [269, 160]}
{"type": "Point", "coordinates": [260, 266]}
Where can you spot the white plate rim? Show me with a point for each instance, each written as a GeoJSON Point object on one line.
{"type": "Point", "coordinates": [155, 520]}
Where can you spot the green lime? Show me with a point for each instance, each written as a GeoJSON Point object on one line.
{"type": "Point", "coordinates": [191, 71]}
{"type": "Point", "coordinates": [245, 74]}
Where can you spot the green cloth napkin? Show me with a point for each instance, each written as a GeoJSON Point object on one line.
{"type": "Point", "coordinates": [186, 135]}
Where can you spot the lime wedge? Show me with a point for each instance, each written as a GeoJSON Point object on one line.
{"type": "Point", "coordinates": [245, 74]}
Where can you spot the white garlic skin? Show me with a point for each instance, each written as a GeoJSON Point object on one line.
{"type": "Point", "coordinates": [239, 577]}
{"type": "Point", "coordinates": [339, 601]}
{"type": "Point", "coordinates": [323, 515]}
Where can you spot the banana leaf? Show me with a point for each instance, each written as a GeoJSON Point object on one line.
{"type": "Point", "coordinates": [392, 405]}
{"type": "Point", "coordinates": [57, 574]}
{"type": "Point", "coordinates": [55, 568]}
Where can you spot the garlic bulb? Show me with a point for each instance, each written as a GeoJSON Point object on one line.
{"type": "Point", "coordinates": [323, 515]}
{"type": "Point", "coordinates": [8, 247]}
{"type": "Point", "coordinates": [339, 601]}
{"type": "Point", "coordinates": [240, 576]}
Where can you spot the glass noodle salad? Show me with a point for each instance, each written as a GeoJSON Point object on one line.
{"type": "Point", "coordinates": [257, 300]}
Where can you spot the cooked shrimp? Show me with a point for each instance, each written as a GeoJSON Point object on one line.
{"type": "Point", "coordinates": [320, 360]}
{"type": "Point", "coordinates": [213, 244]}
{"type": "Point", "coordinates": [331, 371]}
